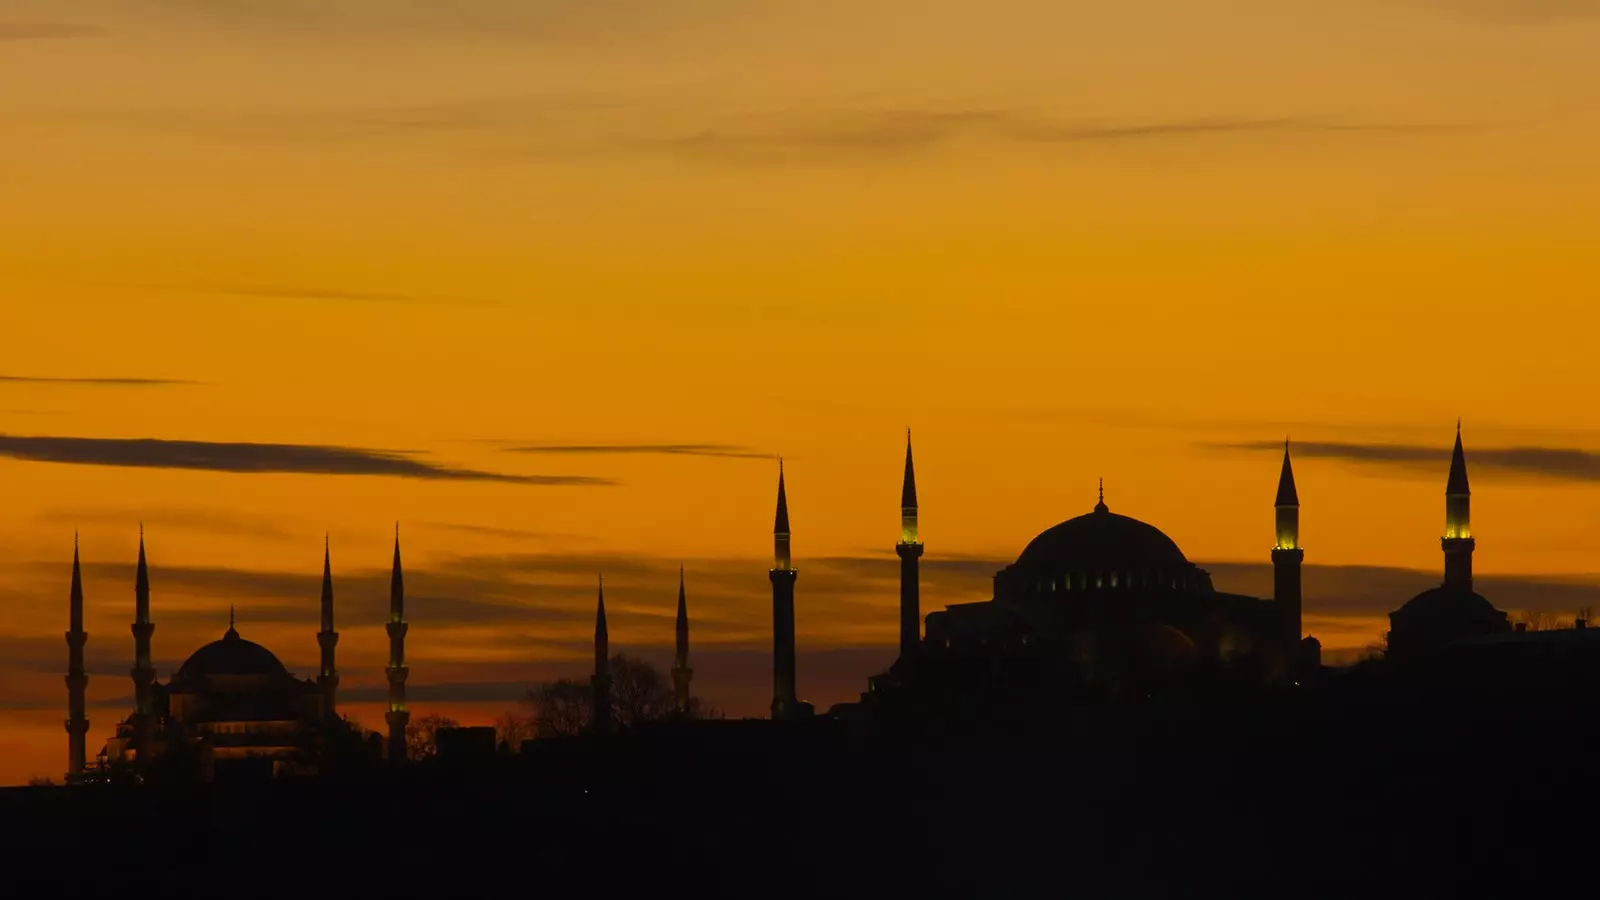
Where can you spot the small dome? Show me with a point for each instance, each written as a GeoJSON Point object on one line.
{"type": "Point", "coordinates": [1102, 539]}
{"type": "Point", "coordinates": [233, 655]}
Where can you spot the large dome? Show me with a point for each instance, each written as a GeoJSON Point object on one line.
{"type": "Point", "coordinates": [1446, 601]}
{"type": "Point", "coordinates": [1102, 540]}
{"type": "Point", "coordinates": [233, 655]}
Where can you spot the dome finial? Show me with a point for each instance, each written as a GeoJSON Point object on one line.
{"type": "Point", "coordinates": [1101, 506]}
{"type": "Point", "coordinates": [232, 632]}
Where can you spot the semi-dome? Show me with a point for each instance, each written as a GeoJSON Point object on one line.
{"type": "Point", "coordinates": [233, 655]}
{"type": "Point", "coordinates": [1102, 540]}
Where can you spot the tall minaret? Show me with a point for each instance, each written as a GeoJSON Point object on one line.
{"type": "Point", "coordinates": [681, 673]}
{"type": "Point", "coordinates": [600, 715]}
{"type": "Point", "coordinates": [398, 715]}
{"type": "Point", "coordinates": [1457, 542]}
{"type": "Point", "coordinates": [910, 551]}
{"type": "Point", "coordinates": [327, 639]}
{"type": "Point", "coordinates": [77, 679]}
{"type": "Point", "coordinates": [1287, 555]}
{"type": "Point", "coordinates": [144, 672]}
{"type": "Point", "coordinates": [783, 576]}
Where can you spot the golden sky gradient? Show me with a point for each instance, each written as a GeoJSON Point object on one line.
{"type": "Point", "coordinates": [1060, 240]}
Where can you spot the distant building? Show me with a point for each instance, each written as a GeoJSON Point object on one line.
{"type": "Point", "coordinates": [1101, 601]}
{"type": "Point", "coordinates": [232, 707]}
{"type": "Point", "coordinates": [469, 744]}
{"type": "Point", "coordinates": [1452, 612]}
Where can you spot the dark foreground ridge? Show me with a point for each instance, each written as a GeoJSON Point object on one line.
{"type": "Point", "coordinates": [1331, 793]}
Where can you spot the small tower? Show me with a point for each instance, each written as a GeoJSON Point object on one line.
{"type": "Point", "coordinates": [77, 679]}
{"type": "Point", "coordinates": [681, 673]}
{"type": "Point", "coordinates": [1287, 555]}
{"type": "Point", "coordinates": [144, 672]}
{"type": "Point", "coordinates": [1458, 542]}
{"type": "Point", "coordinates": [783, 577]}
{"type": "Point", "coordinates": [327, 639]}
{"type": "Point", "coordinates": [600, 715]}
{"type": "Point", "coordinates": [398, 715]}
{"type": "Point", "coordinates": [910, 551]}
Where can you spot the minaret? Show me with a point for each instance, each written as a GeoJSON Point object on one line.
{"type": "Point", "coordinates": [327, 639]}
{"type": "Point", "coordinates": [144, 672]}
{"type": "Point", "coordinates": [910, 551]}
{"type": "Point", "coordinates": [1457, 542]}
{"type": "Point", "coordinates": [600, 715]}
{"type": "Point", "coordinates": [1287, 555]}
{"type": "Point", "coordinates": [681, 673]}
{"type": "Point", "coordinates": [397, 716]}
{"type": "Point", "coordinates": [77, 679]}
{"type": "Point", "coordinates": [783, 577]}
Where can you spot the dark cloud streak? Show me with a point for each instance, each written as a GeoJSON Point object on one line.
{"type": "Point", "coordinates": [1555, 463]}
{"type": "Point", "coordinates": [92, 382]}
{"type": "Point", "coordinates": [731, 451]}
{"type": "Point", "coordinates": [305, 459]}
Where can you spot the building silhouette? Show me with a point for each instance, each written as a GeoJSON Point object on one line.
{"type": "Point", "coordinates": [77, 678]}
{"type": "Point", "coordinates": [232, 705]}
{"type": "Point", "coordinates": [681, 673]}
{"type": "Point", "coordinates": [1101, 605]}
{"type": "Point", "coordinates": [398, 715]}
{"type": "Point", "coordinates": [600, 682]}
{"type": "Point", "coordinates": [783, 575]}
{"type": "Point", "coordinates": [1453, 611]}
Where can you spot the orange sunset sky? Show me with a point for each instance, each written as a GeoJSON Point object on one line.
{"type": "Point", "coordinates": [563, 277]}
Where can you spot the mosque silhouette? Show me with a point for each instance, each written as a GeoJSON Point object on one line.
{"type": "Point", "coordinates": [1101, 607]}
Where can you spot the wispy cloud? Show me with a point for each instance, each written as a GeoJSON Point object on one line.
{"type": "Point", "coordinates": [92, 382]}
{"type": "Point", "coordinates": [498, 532]}
{"type": "Point", "coordinates": [733, 451]}
{"type": "Point", "coordinates": [192, 519]}
{"type": "Point", "coordinates": [588, 127]}
{"type": "Point", "coordinates": [1557, 463]}
{"type": "Point", "coordinates": [41, 31]}
{"type": "Point", "coordinates": [1524, 11]}
{"type": "Point", "coordinates": [308, 459]}
{"type": "Point", "coordinates": [524, 19]}
{"type": "Point", "coordinates": [270, 290]}
{"type": "Point", "coordinates": [868, 133]}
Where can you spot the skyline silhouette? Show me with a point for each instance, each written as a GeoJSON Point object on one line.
{"type": "Point", "coordinates": [554, 286]}
{"type": "Point", "coordinates": [839, 676]}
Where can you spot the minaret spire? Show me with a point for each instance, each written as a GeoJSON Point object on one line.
{"type": "Point", "coordinates": [681, 673]}
{"type": "Point", "coordinates": [600, 715]}
{"type": "Point", "coordinates": [910, 552]}
{"type": "Point", "coordinates": [782, 575]}
{"type": "Point", "coordinates": [1287, 558]}
{"type": "Point", "coordinates": [144, 672]}
{"type": "Point", "coordinates": [780, 524]}
{"type": "Point", "coordinates": [77, 678]}
{"type": "Point", "coordinates": [328, 639]}
{"type": "Point", "coordinates": [1458, 542]}
{"type": "Point", "coordinates": [398, 715]}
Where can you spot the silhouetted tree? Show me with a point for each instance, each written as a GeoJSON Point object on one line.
{"type": "Point", "coordinates": [421, 735]}
{"type": "Point", "coordinates": [512, 729]}
{"type": "Point", "coordinates": [640, 693]}
{"type": "Point", "coordinates": [560, 708]}
{"type": "Point", "coordinates": [1539, 620]}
